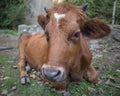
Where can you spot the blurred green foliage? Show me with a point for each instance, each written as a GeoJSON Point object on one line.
{"type": "Point", "coordinates": [101, 9]}
{"type": "Point", "coordinates": [11, 13]}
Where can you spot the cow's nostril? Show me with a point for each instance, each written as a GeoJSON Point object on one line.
{"type": "Point", "coordinates": [58, 73]}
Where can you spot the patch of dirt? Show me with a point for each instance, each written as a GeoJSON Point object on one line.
{"type": "Point", "coordinates": [107, 50]}
{"type": "Point", "coordinates": [8, 41]}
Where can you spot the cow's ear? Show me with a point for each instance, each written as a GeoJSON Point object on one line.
{"type": "Point", "coordinates": [95, 28]}
{"type": "Point", "coordinates": [42, 21]}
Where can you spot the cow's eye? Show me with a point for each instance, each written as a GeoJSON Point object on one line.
{"type": "Point", "coordinates": [77, 34]}
{"type": "Point", "coordinates": [74, 37]}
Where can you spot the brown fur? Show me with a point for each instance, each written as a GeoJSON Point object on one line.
{"type": "Point", "coordinates": [42, 21]}
{"type": "Point", "coordinates": [28, 52]}
{"type": "Point", "coordinates": [66, 46]}
{"type": "Point", "coordinates": [96, 28]}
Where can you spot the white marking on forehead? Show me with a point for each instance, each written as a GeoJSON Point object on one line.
{"type": "Point", "coordinates": [58, 16]}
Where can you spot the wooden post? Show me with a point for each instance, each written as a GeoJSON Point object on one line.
{"type": "Point", "coordinates": [114, 10]}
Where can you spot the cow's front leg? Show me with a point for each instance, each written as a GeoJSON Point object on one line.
{"type": "Point", "coordinates": [24, 78]}
{"type": "Point", "coordinates": [22, 62]}
{"type": "Point", "coordinates": [91, 74]}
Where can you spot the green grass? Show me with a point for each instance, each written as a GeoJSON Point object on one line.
{"type": "Point", "coordinates": [100, 9]}
{"type": "Point", "coordinates": [75, 88]}
{"type": "Point", "coordinates": [8, 31]}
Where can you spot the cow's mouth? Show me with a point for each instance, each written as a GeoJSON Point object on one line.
{"type": "Point", "coordinates": [54, 79]}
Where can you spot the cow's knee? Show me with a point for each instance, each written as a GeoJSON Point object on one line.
{"type": "Point", "coordinates": [21, 67]}
{"type": "Point", "coordinates": [91, 74]}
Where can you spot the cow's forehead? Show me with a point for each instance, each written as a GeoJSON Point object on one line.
{"type": "Point", "coordinates": [67, 12]}
{"type": "Point", "coordinates": [65, 22]}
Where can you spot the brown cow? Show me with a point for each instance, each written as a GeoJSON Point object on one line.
{"type": "Point", "coordinates": [63, 52]}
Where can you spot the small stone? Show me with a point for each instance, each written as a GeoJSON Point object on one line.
{"type": "Point", "coordinates": [83, 95]}
{"type": "Point", "coordinates": [53, 89]}
{"type": "Point", "coordinates": [39, 79]}
{"type": "Point", "coordinates": [38, 73]}
{"type": "Point", "coordinates": [118, 70]}
{"type": "Point", "coordinates": [28, 68]}
{"type": "Point", "coordinates": [2, 76]}
{"type": "Point", "coordinates": [107, 82]}
{"type": "Point", "coordinates": [34, 72]}
{"type": "Point", "coordinates": [66, 93]}
{"type": "Point", "coordinates": [40, 83]}
{"type": "Point", "coordinates": [90, 89]}
{"type": "Point", "coordinates": [98, 56]}
{"type": "Point", "coordinates": [28, 80]}
{"type": "Point", "coordinates": [3, 85]}
{"type": "Point", "coordinates": [100, 81]}
{"type": "Point", "coordinates": [46, 83]}
{"type": "Point", "coordinates": [1, 79]}
{"type": "Point", "coordinates": [104, 50]}
{"type": "Point", "coordinates": [60, 91]}
{"type": "Point", "coordinates": [6, 78]}
{"type": "Point", "coordinates": [11, 93]}
{"type": "Point", "coordinates": [14, 67]}
{"type": "Point", "coordinates": [101, 90]}
{"type": "Point", "coordinates": [32, 84]}
{"type": "Point", "coordinates": [4, 92]}
{"type": "Point", "coordinates": [15, 83]}
{"type": "Point", "coordinates": [33, 76]}
{"type": "Point", "coordinates": [112, 78]}
{"type": "Point", "coordinates": [14, 88]}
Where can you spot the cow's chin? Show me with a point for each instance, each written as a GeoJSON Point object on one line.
{"type": "Point", "coordinates": [58, 85]}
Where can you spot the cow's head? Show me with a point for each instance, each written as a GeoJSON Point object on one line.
{"type": "Point", "coordinates": [65, 25]}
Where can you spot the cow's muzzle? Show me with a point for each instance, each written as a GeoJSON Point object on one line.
{"type": "Point", "coordinates": [53, 73]}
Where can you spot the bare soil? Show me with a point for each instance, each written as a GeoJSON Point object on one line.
{"type": "Point", "coordinates": [8, 41]}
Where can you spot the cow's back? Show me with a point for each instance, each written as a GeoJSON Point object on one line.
{"type": "Point", "coordinates": [36, 51]}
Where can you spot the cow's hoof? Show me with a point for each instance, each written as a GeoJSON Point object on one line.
{"type": "Point", "coordinates": [25, 80]}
